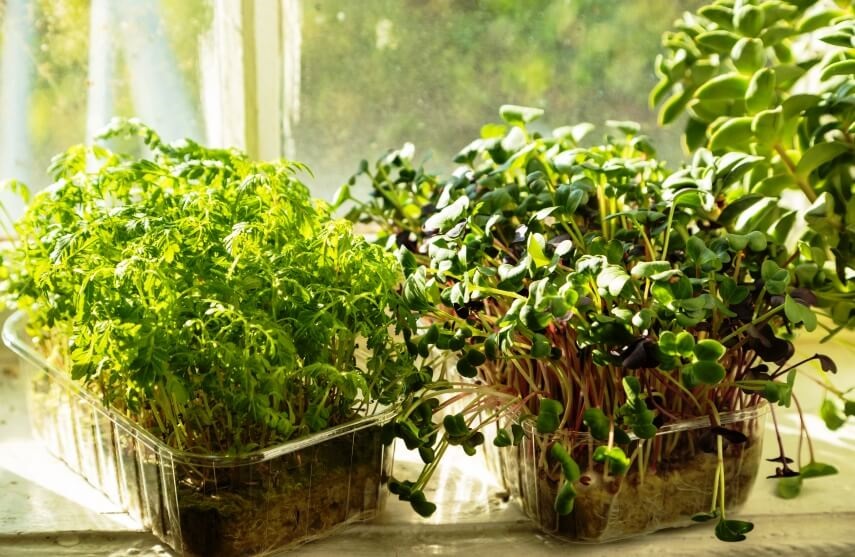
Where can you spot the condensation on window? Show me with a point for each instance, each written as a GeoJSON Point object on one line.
{"type": "Point", "coordinates": [328, 82]}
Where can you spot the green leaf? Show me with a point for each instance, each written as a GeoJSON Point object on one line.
{"type": "Point", "coordinates": [455, 425]}
{"type": "Point", "coordinates": [733, 135]}
{"type": "Point", "coordinates": [760, 93]}
{"type": "Point", "coordinates": [731, 293]}
{"type": "Point", "coordinates": [718, 14]}
{"type": "Point", "coordinates": [709, 349]}
{"type": "Point", "coordinates": [647, 269]}
{"type": "Point", "coordinates": [830, 414]}
{"type": "Point", "coordinates": [565, 499]}
{"type": "Point", "coordinates": [658, 92]}
{"type": "Point", "coordinates": [571, 470]}
{"type": "Point", "coordinates": [789, 488]}
{"type": "Point", "coordinates": [627, 127]}
{"type": "Point", "coordinates": [757, 241]}
{"type": "Point", "coordinates": [674, 106]}
{"type": "Point", "coordinates": [423, 507]}
{"type": "Point", "coordinates": [475, 357]}
{"type": "Point", "coordinates": [747, 55]}
{"type": "Point", "coordinates": [818, 155]}
{"type": "Point", "coordinates": [613, 278]}
{"type": "Point", "coordinates": [749, 20]}
{"type": "Point", "coordinates": [816, 20]}
{"type": "Point", "coordinates": [704, 517]}
{"type": "Point", "coordinates": [732, 530]}
{"type": "Point", "coordinates": [737, 242]}
{"type": "Point", "coordinates": [541, 347]}
{"type": "Point", "coordinates": [695, 134]}
{"type": "Point", "coordinates": [549, 415]}
{"type": "Point", "coordinates": [668, 342]}
{"type": "Point", "coordinates": [845, 67]}
{"type": "Point", "coordinates": [341, 196]}
{"type": "Point", "coordinates": [616, 460]}
{"type": "Point", "coordinates": [797, 104]}
{"type": "Point", "coordinates": [817, 470]}
{"type": "Point", "coordinates": [518, 433]}
{"type": "Point", "coordinates": [448, 216]}
{"type": "Point", "coordinates": [725, 86]}
{"type": "Point", "coordinates": [502, 439]}
{"type": "Point", "coordinates": [535, 247]}
{"type": "Point", "coordinates": [465, 369]}
{"type": "Point", "coordinates": [597, 423]}
{"type": "Point", "coordinates": [717, 40]}
{"type": "Point", "coordinates": [798, 313]}
{"type": "Point", "coordinates": [708, 372]}
{"type": "Point", "coordinates": [840, 38]}
{"type": "Point", "coordinates": [773, 186]}
{"type": "Point", "coordinates": [516, 115]}
{"type": "Point", "coordinates": [685, 343]}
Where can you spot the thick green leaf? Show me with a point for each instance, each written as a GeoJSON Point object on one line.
{"type": "Point", "coordinates": [845, 67]}
{"type": "Point", "coordinates": [733, 135]}
{"type": "Point", "coordinates": [748, 55]}
{"type": "Point", "coordinates": [515, 114]}
{"type": "Point", "coordinates": [774, 185]}
{"type": "Point", "coordinates": [725, 86]}
{"type": "Point", "coordinates": [760, 93]}
{"type": "Point", "coordinates": [818, 155]}
{"type": "Point", "coordinates": [749, 19]}
{"type": "Point", "coordinates": [718, 40]}
{"type": "Point", "coordinates": [674, 106]}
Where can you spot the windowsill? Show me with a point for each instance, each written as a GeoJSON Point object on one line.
{"type": "Point", "coordinates": [47, 509]}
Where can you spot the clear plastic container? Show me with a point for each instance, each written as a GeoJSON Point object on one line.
{"type": "Point", "coordinates": [253, 504]}
{"type": "Point", "coordinates": [674, 483]}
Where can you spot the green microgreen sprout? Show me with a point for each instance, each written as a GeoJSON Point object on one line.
{"type": "Point", "coordinates": [207, 296]}
{"type": "Point", "coordinates": [588, 290]}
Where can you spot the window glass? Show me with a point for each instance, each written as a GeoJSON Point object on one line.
{"type": "Point", "coordinates": [328, 82]}
{"type": "Point", "coordinates": [380, 72]}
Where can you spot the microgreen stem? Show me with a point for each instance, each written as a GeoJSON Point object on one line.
{"type": "Point", "coordinates": [772, 312]}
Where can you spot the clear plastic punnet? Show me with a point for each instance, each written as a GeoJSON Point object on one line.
{"type": "Point", "coordinates": [252, 504]}
{"type": "Point", "coordinates": [671, 477]}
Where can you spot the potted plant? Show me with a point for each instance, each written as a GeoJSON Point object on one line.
{"type": "Point", "coordinates": [212, 348]}
{"type": "Point", "coordinates": [774, 79]}
{"type": "Point", "coordinates": [626, 344]}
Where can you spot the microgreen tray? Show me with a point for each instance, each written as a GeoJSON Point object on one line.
{"type": "Point", "coordinates": [251, 504]}
{"type": "Point", "coordinates": [670, 480]}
